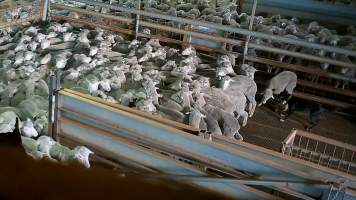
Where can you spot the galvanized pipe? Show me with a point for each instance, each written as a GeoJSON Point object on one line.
{"type": "Point", "coordinates": [52, 85]}
{"type": "Point", "coordinates": [308, 9]}
{"type": "Point", "coordinates": [226, 28]}
{"type": "Point", "coordinates": [256, 182]}
{"type": "Point", "coordinates": [45, 10]}
{"type": "Point", "coordinates": [315, 71]}
{"type": "Point", "coordinates": [191, 33]}
{"type": "Point", "coordinates": [301, 55]}
{"type": "Point", "coordinates": [57, 87]}
{"type": "Point", "coordinates": [137, 22]}
{"type": "Point", "coordinates": [253, 12]}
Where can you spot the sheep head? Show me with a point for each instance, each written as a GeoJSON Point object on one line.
{"type": "Point", "coordinates": [82, 155]}
{"type": "Point", "coordinates": [268, 94]}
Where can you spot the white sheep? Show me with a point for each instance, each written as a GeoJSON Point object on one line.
{"type": "Point", "coordinates": [28, 129]}
{"type": "Point", "coordinates": [247, 70]}
{"type": "Point", "coordinates": [228, 124]}
{"type": "Point", "coordinates": [195, 118]}
{"type": "Point", "coordinates": [234, 104]}
{"type": "Point", "coordinates": [284, 81]}
{"type": "Point", "coordinates": [245, 85]}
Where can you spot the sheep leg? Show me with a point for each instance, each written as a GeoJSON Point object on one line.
{"type": "Point", "coordinates": [213, 126]}
{"type": "Point", "coordinates": [290, 87]}
{"type": "Point", "coordinates": [238, 136]}
{"type": "Point", "coordinates": [244, 116]}
{"type": "Point", "coordinates": [251, 107]}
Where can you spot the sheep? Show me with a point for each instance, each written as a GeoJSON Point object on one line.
{"type": "Point", "coordinates": [7, 121]}
{"type": "Point", "coordinates": [284, 81]}
{"type": "Point", "coordinates": [64, 154]}
{"type": "Point", "coordinates": [245, 85]}
{"type": "Point", "coordinates": [28, 129]}
{"type": "Point", "coordinates": [228, 124]}
{"type": "Point", "coordinates": [224, 66]}
{"type": "Point", "coordinates": [185, 7]}
{"type": "Point", "coordinates": [234, 104]}
{"type": "Point", "coordinates": [146, 105]}
{"type": "Point", "coordinates": [345, 71]}
{"type": "Point", "coordinates": [195, 118]}
{"type": "Point", "coordinates": [212, 125]}
{"type": "Point", "coordinates": [247, 70]}
{"type": "Point", "coordinates": [184, 96]}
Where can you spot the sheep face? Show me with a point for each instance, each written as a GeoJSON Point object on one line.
{"type": "Point", "coordinates": [45, 144]}
{"type": "Point", "coordinates": [82, 155]}
{"type": "Point", "coordinates": [268, 94]}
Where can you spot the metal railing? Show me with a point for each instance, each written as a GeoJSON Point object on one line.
{"type": "Point", "coordinates": [176, 30]}
{"type": "Point", "coordinates": [125, 134]}
{"type": "Point", "coordinates": [320, 150]}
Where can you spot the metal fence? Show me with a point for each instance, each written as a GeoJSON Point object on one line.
{"type": "Point", "coordinates": [121, 134]}
{"type": "Point", "coordinates": [211, 37]}
{"type": "Point", "coordinates": [320, 150]}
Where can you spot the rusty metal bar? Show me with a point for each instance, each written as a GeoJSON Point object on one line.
{"type": "Point", "coordinates": [322, 100]}
{"type": "Point", "coordinates": [310, 70]}
{"type": "Point", "coordinates": [302, 55]}
{"type": "Point", "coordinates": [326, 88]}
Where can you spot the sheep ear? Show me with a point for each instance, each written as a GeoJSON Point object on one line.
{"type": "Point", "coordinates": [272, 97]}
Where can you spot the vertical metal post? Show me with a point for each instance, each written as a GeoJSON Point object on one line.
{"type": "Point", "coordinates": [45, 7]}
{"type": "Point", "coordinates": [252, 19]}
{"type": "Point", "coordinates": [55, 110]}
{"type": "Point", "coordinates": [50, 104]}
{"type": "Point", "coordinates": [137, 23]}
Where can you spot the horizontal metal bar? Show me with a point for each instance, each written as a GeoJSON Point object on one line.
{"type": "Point", "coordinates": [93, 137]}
{"type": "Point", "coordinates": [225, 28]}
{"type": "Point", "coordinates": [302, 55]}
{"type": "Point", "coordinates": [307, 9]}
{"type": "Point", "coordinates": [265, 166]}
{"type": "Point", "coordinates": [216, 38]}
{"type": "Point", "coordinates": [309, 70]}
{"type": "Point", "coordinates": [331, 89]}
{"type": "Point", "coordinates": [130, 32]}
{"type": "Point", "coordinates": [88, 12]}
{"type": "Point", "coordinates": [324, 100]}
{"type": "Point", "coordinates": [90, 24]}
{"type": "Point", "coordinates": [325, 140]}
{"type": "Point", "coordinates": [152, 25]}
{"type": "Point", "coordinates": [256, 182]}
{"type": "Point", "coordinates": [143, 139]}
{"type": "Point", "coordinates": [191, 33]}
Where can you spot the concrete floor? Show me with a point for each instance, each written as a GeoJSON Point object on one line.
{"type": "Point", "coordinates": [264, 128]}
